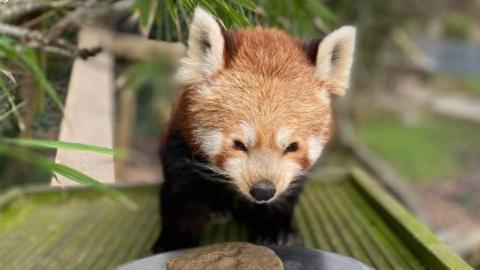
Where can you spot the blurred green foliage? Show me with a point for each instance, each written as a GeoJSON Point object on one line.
{"type": "Point", "coordinates": [465, 84]}
{"type": "Point", "coordinates": [151, 82]}
{"type": "Point", "coordinates": [25, 58]}
{"type": "Point", "coordinates": [432, 149]}
{"type": "Point", "coordinates": [471, 84]}
{"type": "Point", "coordinates": [303, 18]}
{"type": "Point", "coordinates": [18, 150]}
{"type": "Point", "coordinates": [14, 153]}
{"type": "Point", "coordinates": [458, 26]}
{"type": "Point", "coordinates": [169, 19]}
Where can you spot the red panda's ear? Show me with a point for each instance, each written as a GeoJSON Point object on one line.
{"type": "Point", "coordinates": [205, 48]}
{"type": "Point", "coordinates": [334, 59]}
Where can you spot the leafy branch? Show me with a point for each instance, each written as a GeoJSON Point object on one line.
{"type": "Point", "coordinates": [15, 148]}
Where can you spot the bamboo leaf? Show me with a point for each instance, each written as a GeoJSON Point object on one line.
{"type": "Point", "coordinates": [248, 4]}
{"type": "Point", "coordinates": [11, 111]}
{"type": "Point", "coordinates": [229, 12]}
{"type": "Point", "coordinates": [11, 101]}
{"type": "Point", "coordinates": [68, 172]}
{"type": "Point", "coordinates": [36, 143]}
{"type": "Point", "coordinates": [84, 179]}
{"type": "Point", "coordinates": [30, 60]}
{"type": "Point", "coordinates": [147, 11]}
{"type": "Point", "coordinates": [320, 10]}
{"type": "Point", "coordinates": [7, 46]}
{"type": "Point", "coordinates": [188, 4]}
{"type": "Point", "coordinates": [172, 10]}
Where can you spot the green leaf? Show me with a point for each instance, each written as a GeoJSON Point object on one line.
{"type": "Point", "coordinates": [229, 12]}
{"type": "Point", "coordinates": [68, 172]}
{"type": "Point", "coordinates": [30, 60]}
{"type": "Point", "coordinates": [36, 143]}
{"type": "Point", "coordinates": [320, 10]}
{"type": "Point", "coordinates": [172, 10]}
{"type": "Point", "coordinates": [248, 4]}
{"type": "Point", "coordinates": [7, 45]}
{"type": "Point", "coordinates": [11, 101]}
{"type": "Point", "coordinates": [141, 73]}
{"type": "Point", "coordinates": [11, 111]}
{"type": "Point", "coordinates": [186, 4]}
{"type": "Point", "coordinates": [147, 11]}
{"type": "Point", "coordinates": [84, 179]}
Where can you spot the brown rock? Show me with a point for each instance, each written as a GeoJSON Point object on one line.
{"type": "Point", "coordinates": [227, 256]}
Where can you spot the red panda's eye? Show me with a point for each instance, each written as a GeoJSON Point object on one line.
{"type": "Point", "coordinates": [292, 147]}
{"type": "Point", "coordinates": [239, 146]}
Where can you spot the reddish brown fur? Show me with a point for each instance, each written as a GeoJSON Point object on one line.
{"type": "Point", "coordinates": [268, 82]}
{"type": "Point", "coordinates": [254, 114]}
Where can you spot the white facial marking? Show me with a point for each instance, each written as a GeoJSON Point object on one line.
{"type": "Point", "coordinates": [325, 96]}
{"type": "Point", "coordinates": [248, 132]}
{"type": "Point", "coordinates": [210, 142]}
{"type": "Point", "coordinates": [246, 171]}
{"type": "Point", "coordinates": [290, 170]}
{"type": "Point", "coordinates": [283, 137]}
{"type": "Point", "coordinates": [315, 147]}
{"type": "Point", "coordinates": [235, 168]}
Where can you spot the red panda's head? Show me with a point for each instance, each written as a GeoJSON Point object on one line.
{"type": "Point", "coordinates": [257, 102]}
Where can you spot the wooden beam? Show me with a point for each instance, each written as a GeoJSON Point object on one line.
{"type": "Point", "coordinates": [136, 47]}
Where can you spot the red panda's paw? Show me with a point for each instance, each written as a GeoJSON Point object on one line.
{"type": "Point", "coordinates": [292, 239]}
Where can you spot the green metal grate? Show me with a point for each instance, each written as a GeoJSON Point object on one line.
{"type": "Point", "coordinates": [81, 229]}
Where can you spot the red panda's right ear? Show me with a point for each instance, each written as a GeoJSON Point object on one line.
{"type": "Point", "coordinates": [205, 48]}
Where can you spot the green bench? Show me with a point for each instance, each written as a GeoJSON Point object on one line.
{"type": "Point", "coordinates": [79, 228]}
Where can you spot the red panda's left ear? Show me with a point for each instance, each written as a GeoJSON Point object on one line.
{"type": "Point", "coordinates": [205, 48]}
{"type": "Point", "coordinates": [334, 59]}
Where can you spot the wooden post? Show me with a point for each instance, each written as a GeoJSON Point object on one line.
{"type": "Point", "coordinates": [89, 112]}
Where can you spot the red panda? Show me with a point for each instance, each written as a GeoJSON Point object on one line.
{"type": "Point", "coordinates": [252, 118]}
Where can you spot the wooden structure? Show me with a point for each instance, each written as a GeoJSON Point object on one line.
{"type": "Point", "coordinates": [88, 114]}
{"type": "Point", "coordinates": [78, 228]}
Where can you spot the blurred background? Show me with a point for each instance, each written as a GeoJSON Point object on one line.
{"type": "Point", "coordinates": [412, 114]}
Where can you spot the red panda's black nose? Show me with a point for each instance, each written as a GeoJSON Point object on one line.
{"type": "Point", "coordinates": [263, 190]}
